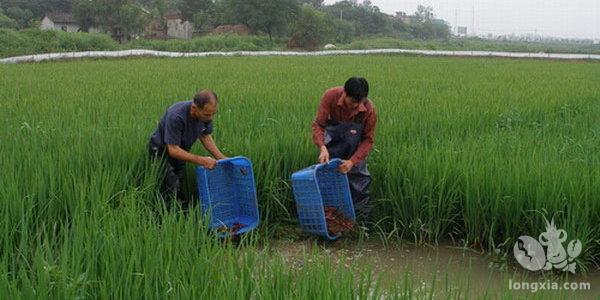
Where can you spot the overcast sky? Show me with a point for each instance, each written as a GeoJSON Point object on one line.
{"type": "Point", "coordinates": [559, 18]}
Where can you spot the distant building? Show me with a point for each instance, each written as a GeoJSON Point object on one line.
{"type": "Point", "coordinates": [461, 31]}
{"type": "Point", "coordinates": [402, 16]}
{"type": "Point", "coordinates": [176, 27]}
{"type": "Point", "coordinates": [410, 20]}
{"type": "Point", "coordinates": [59, 21]}
{"type": "Point", "coordinates": [63, 21]}
{"type": "Point", "coordinates": [596, 42]}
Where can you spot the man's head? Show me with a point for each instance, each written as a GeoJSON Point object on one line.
{"type": "Point", "coordinates": [357, 90]}
{"type": "Point", "coordinates": [205, 105]}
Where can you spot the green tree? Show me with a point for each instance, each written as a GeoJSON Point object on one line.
{"type": "Point", "coordinates": [23, 17]}
{"type": "Point", "coordinates": [424, 14]}
{"type": "Point", "coordinates": [122, 18]}
{"type": "Point", "coordinates": [426, 26]}
{"type": "Point", "coordinates": [318, 4]}
{"type": "Point", "coordinates": [311, 29]}
{"type": "Point", "coordinates": [131, 20]}
{"type": "Point", "coordinates": [85, 12]}
{"type": "Point", "coordinates": [224, 13]}
{"type": "Point", "coordinates": [39, 8]}
{"type": "Point", "coordinates": [192, 9]}
{"type": "Point", "coordinates": [58, 5]}
{"type": "Point", "coordinates": [160, 7]}
{"type": "Point", "coordinates": [269, 16]}
{"type": "Point", "coordinates": [5, 21]}
{"type": "Point", "coordinates": [441, 29]}
{"type": "Point", "coordinates": [343, 31]}
{"type": "Point", "coordinates": [158, 11]}
{"type": "Point", "coordinates": [203, 20]}
{"type": "Point", "coordinates": [366, 18]}
{"type": "Point", "coordinates": [399, 23]}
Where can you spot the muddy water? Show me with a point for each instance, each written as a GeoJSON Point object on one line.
{"type": "Point", "coordinates": [462, 271]}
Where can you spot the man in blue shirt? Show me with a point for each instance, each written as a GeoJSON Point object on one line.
{"type": "Point", "coordinates": [183, 124]}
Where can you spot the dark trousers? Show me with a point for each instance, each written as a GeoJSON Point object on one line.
{"type": "Point", "coordinates": [171, 176]}
{"type": "Point", "coordinates": [359, 180]}
{"type": "Point", "coordinates": [342, 140]}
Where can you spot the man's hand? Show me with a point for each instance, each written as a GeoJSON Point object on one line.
{"type": "Point", "coordinates": [346, 166]}
{"type": "Point", "coordinates": [324, 155]}
{"type": "Point", "coordinates": [207, 162]}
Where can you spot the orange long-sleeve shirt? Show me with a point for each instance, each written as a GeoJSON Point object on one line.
{"type": "Point", "coordinates": [332, 108]}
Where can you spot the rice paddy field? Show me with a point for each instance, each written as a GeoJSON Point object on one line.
{"type": "Point", "coordinates": [469, 152]}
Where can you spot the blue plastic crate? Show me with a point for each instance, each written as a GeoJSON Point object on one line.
{"type": "Point", "coordinates": [316, 187]}
{"type": "Point", "coordinates": [228, 194]}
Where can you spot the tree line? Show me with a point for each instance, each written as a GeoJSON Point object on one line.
{"type": "Point", "coordinates": [306, 23]}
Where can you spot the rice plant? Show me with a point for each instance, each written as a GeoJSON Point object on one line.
{"type": "Point", "coordinates": [467, 150]}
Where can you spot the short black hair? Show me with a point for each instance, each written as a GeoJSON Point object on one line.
{"type": "Point", "coordinates": [357, 88]}
{"type": "Point", "coordinates": [203, 97]}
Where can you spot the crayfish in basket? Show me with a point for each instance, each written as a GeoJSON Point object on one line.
{"type": "Point", "coordinates": [337, 222]}
{"type": "Point", "coordinates": [233, 230]}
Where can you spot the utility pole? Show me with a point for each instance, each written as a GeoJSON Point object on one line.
{"type": "Point", "coordinates": [341, 14]}
{"type": "Point", "coordinates": [473, 21]}
{"type": "Point", "coordinates": [456, 21]}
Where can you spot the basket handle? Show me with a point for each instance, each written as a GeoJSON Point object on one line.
{"type": "Point", "coordinates": [332, 164]}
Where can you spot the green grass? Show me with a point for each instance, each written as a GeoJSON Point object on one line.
{"type": "Point", "coordinates": [209, 43]}
{"type": "Point", "coordinates": [470, 44]}
{"type": "Point", "coordinates": [34, 41]}
{"type": "Point", "coordinates": [469, 150]}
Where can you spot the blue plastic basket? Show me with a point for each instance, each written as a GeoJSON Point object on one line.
{"type": "Point", "coordinates": [316, 187]}
{"type": "Point", "coordinates": [228, 194]}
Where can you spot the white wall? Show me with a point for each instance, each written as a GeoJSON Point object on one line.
{"type": "Point", "coordinates": [179, 30]}
{"type": "Point", "coordinates": [47, 24]}
{"type": "Point", "coordinates": [70, 27]}
{"type": "Point", "coordinates": [139, 52]}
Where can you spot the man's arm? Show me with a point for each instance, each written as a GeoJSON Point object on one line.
{"type": "Point", "coordinates": [176, 152]}
{"type": "Point", "coordinates": [173, 131]}
{"type": "Point", "coordinates": [318, 130]}
{"type": "Point", "coordinates": [210, 146]}
{"type": "Point", "coordinates": [318, 127]}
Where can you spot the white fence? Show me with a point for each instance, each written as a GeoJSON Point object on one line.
{"type": "Point", "coordinates": [137, 52]}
